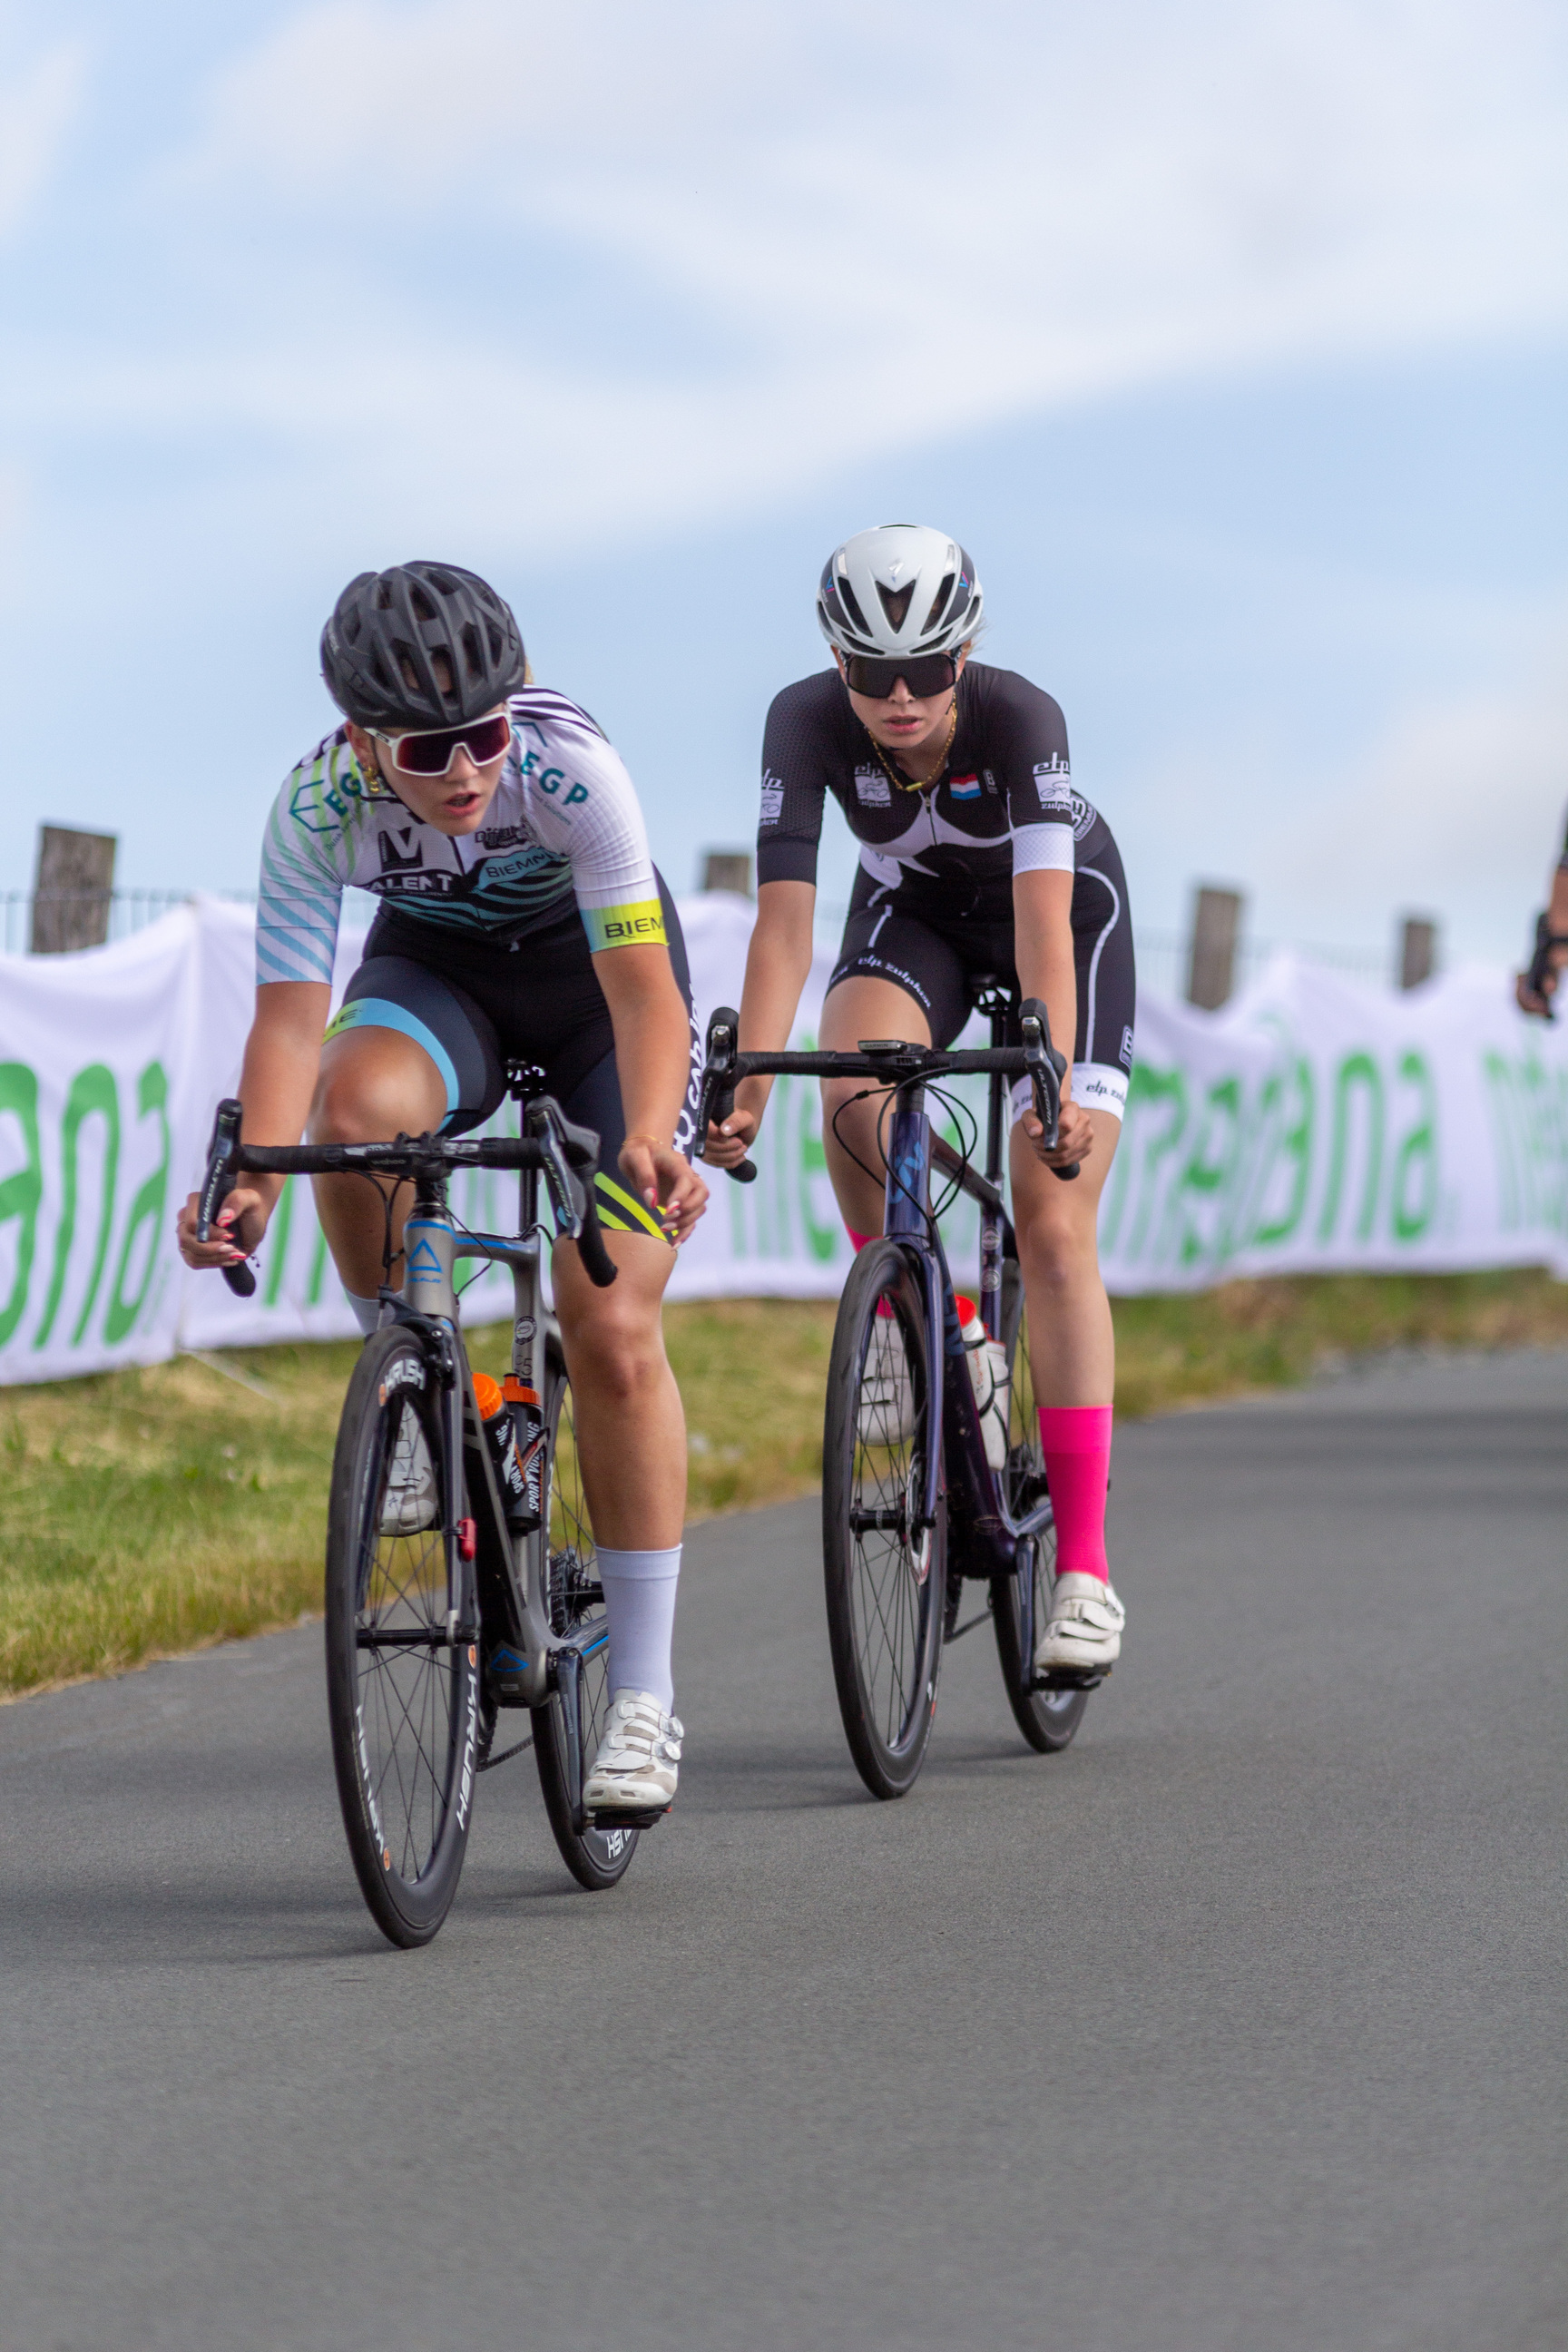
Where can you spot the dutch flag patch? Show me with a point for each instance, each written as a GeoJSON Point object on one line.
{"type": "Point", "coordinates": [965, 788]}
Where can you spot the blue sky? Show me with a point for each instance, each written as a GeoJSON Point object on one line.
{"type": "Point", "coordinates": [1230, 339]}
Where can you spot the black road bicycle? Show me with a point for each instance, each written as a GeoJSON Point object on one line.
{"type": "Point", "coordinates": [449, 1602]}
{"type": "Point", "coordinates": [912, 1503]}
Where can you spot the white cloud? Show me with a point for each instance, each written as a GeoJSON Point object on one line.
{"type": "Point", "coordinates": [845, 229]}
{"type": "Point", "coordinates": [1456, 809]}
{"type": "Point", "coordinates": [38, 106]}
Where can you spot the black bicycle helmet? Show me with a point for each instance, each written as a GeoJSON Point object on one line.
{"type": "Point", "coordinates": [389, 629]}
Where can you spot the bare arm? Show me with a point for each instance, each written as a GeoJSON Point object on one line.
{"type": "Point", "coordinates": [1042, 920]}
{"type": "Point", "coordinates": [778, 965]}
{"type": "Point", "coordinates": [276, 1085]}
{"type": "Point", "coordinates": [653, 1060]}
{"type": "Point", "coordinates": [1557, 923]}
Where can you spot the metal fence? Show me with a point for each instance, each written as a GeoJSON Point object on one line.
{"type": "Point", "coordinates": [129, 911]}
{"type": "Point", "coordinates": [1162, 955]}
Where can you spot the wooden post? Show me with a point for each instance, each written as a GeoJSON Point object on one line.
{"type": "Point", "coordinates": [728, 869]}
{"type": "Point", "coordinates": [73, 890]}
{"type": "Point", "coordinates": [1211, 960]}
{"type": "Point", "coordinates": [1417, 950]}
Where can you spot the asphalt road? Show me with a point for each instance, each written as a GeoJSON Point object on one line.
{"type": "Point", "coordinates": [1239, 2025]}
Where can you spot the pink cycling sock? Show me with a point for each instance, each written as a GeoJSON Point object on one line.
{"type": "Point", "coordinates": [860, 1240]}
{"type": "Point", "coordinates": [1077, 1442]}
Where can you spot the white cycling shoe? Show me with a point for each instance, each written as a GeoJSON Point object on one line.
{"type": "Point", "coordinates": [636, 1767]}
{"type": "Point", "coordinates": [409, 1505]}
{"type": "Point", "coordinates": [887, 1415]}
{"type": "Point", "coordinates": [1083, 1632]}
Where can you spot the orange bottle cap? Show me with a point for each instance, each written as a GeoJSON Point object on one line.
{"type": "Point", "coordinates": [515, 1394]}
{"type": "Point", "coordinates": [487, 1396]}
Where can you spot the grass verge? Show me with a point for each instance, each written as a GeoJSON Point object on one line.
{"type": "Point", "coordinates": [148, 1512]}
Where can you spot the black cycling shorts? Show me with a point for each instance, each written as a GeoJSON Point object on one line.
{"type": "Point", "coordinates": [476, 1004]}
{"type": "Point", "coordinates": [908, 936]}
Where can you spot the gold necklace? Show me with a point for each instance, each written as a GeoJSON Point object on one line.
{"type": "Point", "coordinates": [912, 783]}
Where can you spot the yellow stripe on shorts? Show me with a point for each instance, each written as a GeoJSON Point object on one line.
{"type": "Point", "coordinates": [642, 1220]}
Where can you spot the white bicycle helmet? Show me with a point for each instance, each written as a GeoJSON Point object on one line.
{"type": "Point", "coordinates": [902, 588]}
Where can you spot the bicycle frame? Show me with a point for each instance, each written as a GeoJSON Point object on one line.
{"type": "Point", "coordinates": [502, 1600]}
{"type": "Point", "coordinates": [525, 1658]}
{"type": "Point", "coordinates": [988, 1534]}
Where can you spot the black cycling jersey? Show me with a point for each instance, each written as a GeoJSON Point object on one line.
{"type": "Point", "coordinates": [1003, 805]}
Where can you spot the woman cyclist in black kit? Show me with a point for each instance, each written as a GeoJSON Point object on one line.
{"type": "Point", "coordinates": [976, 855]}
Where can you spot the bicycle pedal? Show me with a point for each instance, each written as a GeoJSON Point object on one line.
{"type": "Point", "coordinates": [615, 1817]}
{"type": "Point", "coordinates": [1071, 1678]}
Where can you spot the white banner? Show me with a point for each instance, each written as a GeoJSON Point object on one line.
{"type": "Point", "coordinates": [1312, 1126]}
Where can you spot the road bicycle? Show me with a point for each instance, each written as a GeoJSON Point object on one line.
{"type": "Point", "coordinates": [447, 1600]}
{"type": "Point", "coordinates": [912, 1505]}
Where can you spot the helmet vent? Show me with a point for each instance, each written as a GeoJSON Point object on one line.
{"type": "Point", "coordinates": [424, 605]}
{"type": "Point", "coordinates": [847, 595]}
{"type": "Point", "coordinates": [472, 652]}
{"type": "Point", "coordinates": [939, 603]}
{"type": "Point", "coordinates": [896, 603]}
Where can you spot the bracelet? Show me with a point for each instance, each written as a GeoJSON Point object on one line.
{"type": "Point", "coordinates": [640, 1138]}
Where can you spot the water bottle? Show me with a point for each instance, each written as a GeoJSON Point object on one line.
{"type": "Point", "coordinates": [988, 1370]}
{"type": "Point", "coordinates": [498, 1418]}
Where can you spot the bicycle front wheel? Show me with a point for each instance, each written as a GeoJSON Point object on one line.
{"type": "Point", "coordinates": [884, 1567]}
{"type": "Point", "coordinates": [1020, 1602]}
{"type": "Point", "coordinates": [596, 1858]}
{"type": "Point", "coordinates": [403, 1693]}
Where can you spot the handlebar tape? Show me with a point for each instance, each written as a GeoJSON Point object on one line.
{"type": "Point", "coordinates": [217, 1186]}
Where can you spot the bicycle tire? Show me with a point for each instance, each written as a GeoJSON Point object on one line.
{"type": "Point", "coordinates": [404, 1719]}
{"type": "Point", "coordinates": [598, 1858]}
{"type": "Point", "coordinates": [885, 1584]}
{"type": "Point", "coordinates": [1047, 1719]}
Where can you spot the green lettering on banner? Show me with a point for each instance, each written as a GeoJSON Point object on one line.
{"type": "Point", "coordinates": [1295, 1145]}
{"type": "Point", "coordinates": [1417, 1157]}
{"type": "Point", "coordinates": [1222, 1106]}
{"type": "Point", "coordinates": [23, 1188]}
{"type": "Point", "coordinates": [1135, 1171]}
{"type": "Point", "coordinates": [147, 1209]}
{"type": "Point", "coordinates": [318, 1281]}
{"type": "Point", "coordinates": [821, 1240]}
{"type": "Point", "coordinates": [278, 1243]}
{"type": "Point", "coordinates": [1355, 1070]}
{"type": "Point", "coordinates": [93, 1094]}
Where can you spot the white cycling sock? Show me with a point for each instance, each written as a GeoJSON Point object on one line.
{"type": "Point", "coordinates": [366, 1311]}
{"type": "Point", "coordinates": [639, 1597]}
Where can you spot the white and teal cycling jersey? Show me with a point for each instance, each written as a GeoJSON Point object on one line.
{"type": "Point", "coordinates": [565, 824]}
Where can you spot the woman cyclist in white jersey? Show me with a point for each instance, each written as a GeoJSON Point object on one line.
{"type": "Point", "coordinates": [976, 856]}
{"type": "Point", "coordinates": [520, 918]}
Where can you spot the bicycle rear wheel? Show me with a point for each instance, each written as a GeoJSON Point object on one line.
{"type": "Point", "coordinates": [886, 1573]}
{"type": "Point", "coordinates": [402, 1694]}
{"type": "Point", "coordinates": [1047, 1719]}
{"type": "Point", "coordinates": [596, 1858]}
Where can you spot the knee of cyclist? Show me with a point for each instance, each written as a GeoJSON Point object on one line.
{"type": "Point", "coordinates": [621, 1355]}
{"type": "Point", "coordinates": [1053, 1256]}
{"type": "Point", "coordinates": [356, 1106]}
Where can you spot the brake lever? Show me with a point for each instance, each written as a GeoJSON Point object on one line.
{"type": "Point", "coordinates": [217, 1186]}
{"type": "Point", "coordinates": [1540, 965]}
{"type": "Point", "coordinates": [717, 1100]}
{"type": "Point", "coordinates": [1046, 1069]}
{"type": "Point", "coordinates": [560, 1179]}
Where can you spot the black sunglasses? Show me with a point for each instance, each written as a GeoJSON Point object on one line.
{"type": "Point", "coordinates": [926, 674]}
